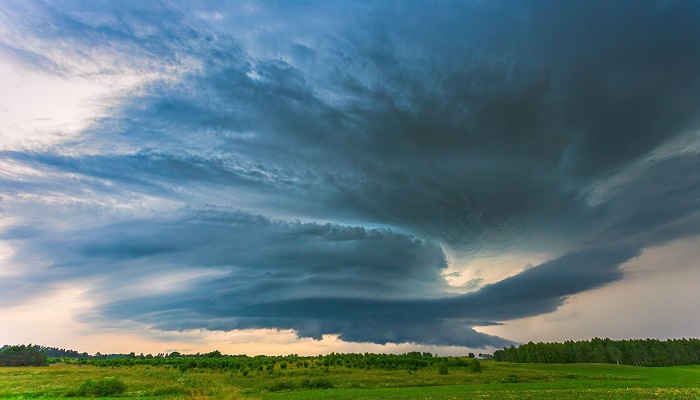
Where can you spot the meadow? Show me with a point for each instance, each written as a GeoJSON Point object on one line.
{"type": "Point", "coordinates": [496, 380]}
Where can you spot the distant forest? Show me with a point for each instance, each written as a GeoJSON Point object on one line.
{"type": "Point", "coordinates": [413, 361]}
{"type": "Point", "coordinates": [21, 356]}
{"type": "Point", "coordinates": [639, 352]}
{"type": "Point", "coordinates": [55, 352]}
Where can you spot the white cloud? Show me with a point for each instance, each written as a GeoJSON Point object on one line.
{"type": "Point", "coordinates": [210, 15]}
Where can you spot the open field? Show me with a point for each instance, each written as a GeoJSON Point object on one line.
{"type": "Point", "coordinates": [496, 381]}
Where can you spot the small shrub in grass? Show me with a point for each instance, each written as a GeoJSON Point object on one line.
{"type": "Point", "coordinates": [278, 386]}
{"type": "Point", "coordinates": [474, 365]}
{"type": "Point", "coordinates": [510, 378]}
{"type": "Point", "coordinates": [323, 384]}
{"type": "Point", "coordinates": [317, 384]}
{"type": "Point", "coordinates": [100, 388]}
{"type": "Point", "coordinates": [442, 370]}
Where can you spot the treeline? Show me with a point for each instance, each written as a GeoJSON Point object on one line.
{"type": "Point", "coordinates": [56, 352]}
{"type": "Point", "coordinates": [267, 364]}
{"type": "Point", "coordinates": [22, 355]}
{"type": "Point", "coordinates": [639, 352]}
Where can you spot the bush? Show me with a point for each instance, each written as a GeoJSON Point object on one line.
{"type": "Point", "coordinates": [442, 370]}
{"type": "Point", "coordinates": [281, 385]}
{"type": "Point", "coordinates": [474, 365]}
{"type": "Point", "coordinates": [510, 378]}
{"type": "Point", "coordinates": [317, 384]}
{"type": "Point", "coordinates": [100, 387]}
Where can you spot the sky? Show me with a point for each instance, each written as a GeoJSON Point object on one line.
{"type": "Point", "coordinates": [279, 177]}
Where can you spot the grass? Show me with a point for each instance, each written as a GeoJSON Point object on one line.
{"type": "Point", "coordinates": [460, 392]}
{"type": "Point", "coordinates": [496, 381]}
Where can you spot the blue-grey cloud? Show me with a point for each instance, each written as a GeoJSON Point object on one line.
{"type": "Point", "coordinates": [359, 316]}
{"type": "Point", "coordinates": [398, 132]}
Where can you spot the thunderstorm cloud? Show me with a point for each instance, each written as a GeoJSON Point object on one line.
{"type": "Point", "coordinates": [325, 166]}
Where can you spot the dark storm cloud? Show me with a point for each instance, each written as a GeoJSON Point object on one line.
{"type": "Point", "coordinates": [257, 257]}
{"type": "Point", "coordinates": [657, 204]}
{"type": "Point", "coordinates": [365, 318]}
{"type": "Point", "coordinates": [463, 128]}
{"type": "Point", "coordinates": [494, 134]}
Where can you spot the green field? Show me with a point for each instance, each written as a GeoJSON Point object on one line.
{"type": "Point", "coordinates": [496, 381]}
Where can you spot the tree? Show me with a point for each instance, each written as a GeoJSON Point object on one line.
{"type": "Point", "coordinates": [614, 353]}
